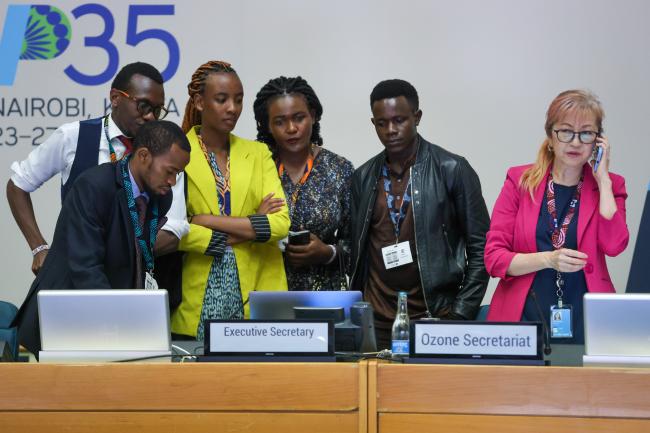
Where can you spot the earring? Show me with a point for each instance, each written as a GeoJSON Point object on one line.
{"type": "Point", "coordinates": [550, 149]}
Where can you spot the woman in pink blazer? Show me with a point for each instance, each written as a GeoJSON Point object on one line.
{"type": "Point", "coordinates": [555, 220]}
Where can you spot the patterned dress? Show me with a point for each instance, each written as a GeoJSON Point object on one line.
{"type": "Point", "coordinates": [222, 299]}
{"type": "Point", "coordinates": [323, 208]}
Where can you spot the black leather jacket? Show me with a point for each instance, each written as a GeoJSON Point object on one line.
{"type": "Point", "coordinates": [450, 222]}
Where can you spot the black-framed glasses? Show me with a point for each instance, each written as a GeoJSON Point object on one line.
{"type": "Point", "coordinates": [567, 136]}
{"type": "Point", "coordinates": [144, 107]}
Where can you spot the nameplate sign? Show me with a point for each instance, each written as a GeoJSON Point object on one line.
{"type": "Point", "coordinates": [267, 338]}
{"type": "Point", "coordinates": [470, 339]}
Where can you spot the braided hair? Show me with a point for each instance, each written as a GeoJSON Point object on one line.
{"type": "Point", "coordinates": [283, 86]}
{"type": "Point", "coordinates": [197, 86]}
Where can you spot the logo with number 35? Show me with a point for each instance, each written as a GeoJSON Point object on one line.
{"type": "Point", "coordinates": [43, 32]}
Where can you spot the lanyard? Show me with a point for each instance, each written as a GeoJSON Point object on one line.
{"type": "Point", "coordinates": [558, 238]}
{"type": "Point", "coordinates": [296, 192]}
{"type": "Point", "coordinates": [396, 217]}
{"type": "Point", "coordinates": [110, 146]}
{"type": "Point", "coordinates": [223, 182]}
{"type": "Point", "coordinates": [147, 250]}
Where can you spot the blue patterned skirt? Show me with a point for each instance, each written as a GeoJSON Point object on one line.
{"type": "Point", "coordinates": [222, 299]}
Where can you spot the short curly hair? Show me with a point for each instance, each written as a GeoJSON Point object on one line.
{"type": "Point", "coordinates": [395, 88]}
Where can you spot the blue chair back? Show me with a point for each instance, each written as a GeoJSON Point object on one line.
{"type": "Point", "coordinates": [10, 335]}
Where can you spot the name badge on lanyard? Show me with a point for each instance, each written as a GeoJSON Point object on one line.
{"type": "Point", "coordinates": [561, 321]}
{"type": "Point", "coordinates": [138, 230]}
{"type": "Point", "coordinates": [397, 255]}
{"type": "Point", "coordinates": [561, 314]}
{"type": "Point", "coordinates": [150, 282]}
{"type": "Point", "coordinates": [561, 318]}
{"type": "Point", "coordinates": [400, 253]}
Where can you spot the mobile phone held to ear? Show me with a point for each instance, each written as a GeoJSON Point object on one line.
{"type": "Point", "coordinates": [299, 238]}
{"type": "Point", "coordinates": [598, 155]}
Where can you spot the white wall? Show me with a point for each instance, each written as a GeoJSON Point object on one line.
{"type": "Point", "coordinates": [485, 71]}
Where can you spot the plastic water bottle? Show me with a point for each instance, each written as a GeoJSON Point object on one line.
{"type": "Point", "coordinates": [400, 346]}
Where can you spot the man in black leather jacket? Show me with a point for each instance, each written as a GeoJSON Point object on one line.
{"type": "Point", "coordinates": [418, 220]}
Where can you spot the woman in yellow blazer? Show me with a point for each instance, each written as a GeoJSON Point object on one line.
{"type": "Point", "coordinates": [235, 205]}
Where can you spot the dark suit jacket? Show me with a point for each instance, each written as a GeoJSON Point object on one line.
{"type": "Point", "coordinates": [93, 245]}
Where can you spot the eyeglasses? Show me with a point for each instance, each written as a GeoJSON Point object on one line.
{"type": "Point", "coordinates": [144, 107]}
{"type": "Point", "coordinates": [567, 136]}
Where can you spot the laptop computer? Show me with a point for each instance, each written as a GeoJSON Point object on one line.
{"type": "Point", "coordinates": [279, 305]}
{"type": "Point", "coordinates": [103, 325]}
{"type": "Point", "coordinates": [617, 329]}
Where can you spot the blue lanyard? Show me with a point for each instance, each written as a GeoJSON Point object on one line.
{"type": "Point", "coordinates": [147, 251]}
{"type": "Point", "coordinates": [396, 217]}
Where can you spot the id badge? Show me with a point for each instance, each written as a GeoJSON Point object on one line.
{"type": "Point", "coordinates": [561, 321]}
{"type": "Point", "coordinates": [397, 255]}
{"type": "Point", "coordinates": [150, 282]}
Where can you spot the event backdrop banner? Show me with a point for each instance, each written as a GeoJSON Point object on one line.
{"type": "Point", "coordinates": [86, 42]}
{"type": "Point", "coordinates": [57, 62]}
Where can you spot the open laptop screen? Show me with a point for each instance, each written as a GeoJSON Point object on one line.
{"type": "Point", "coordinates": [279, 305]}
{"type": "Point", "coordinates": [617, 324]}
{"type": "Point", "coordinates": [104, 320]}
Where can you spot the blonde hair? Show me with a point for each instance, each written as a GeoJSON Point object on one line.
{"type": "Point", "coordinates": [567, 102]}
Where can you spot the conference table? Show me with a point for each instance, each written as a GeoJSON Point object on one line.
{"type": "Point", "coordinates": [503, 399]}
{"type": "Point", "coordinates": [183, 397]}
{"type": "Point", "coordinates": [367, 396]}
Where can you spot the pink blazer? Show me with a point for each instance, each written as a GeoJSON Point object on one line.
{"type": "Point", "coordinates": [513, 230]}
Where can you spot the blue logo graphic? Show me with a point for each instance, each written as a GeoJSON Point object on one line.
{"type": "Point", "coordinates": [42, 32]}
{"type": "Point", "coordinates": [36, 32]}
{"type": "Point", "coordinates": [47, 34]}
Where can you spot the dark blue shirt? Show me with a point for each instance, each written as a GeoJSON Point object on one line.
{"type": "Point", "coordinates": [544, 285]}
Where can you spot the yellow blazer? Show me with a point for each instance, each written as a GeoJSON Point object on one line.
{"type": "Point", "coordinates": [252, 176]}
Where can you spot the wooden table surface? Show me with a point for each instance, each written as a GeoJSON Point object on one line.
{"type": "Point", "coordinates": [368, 396]}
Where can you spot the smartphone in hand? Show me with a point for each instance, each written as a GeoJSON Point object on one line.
{"type": "Point", "coordinates": [597, 155]}
{"type": "Point", "coordinates": [299, 238]}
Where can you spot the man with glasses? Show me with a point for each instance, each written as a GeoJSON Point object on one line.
{"type": "Point", "coordinates": [137, 96]}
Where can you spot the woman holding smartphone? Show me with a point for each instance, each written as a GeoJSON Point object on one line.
{"type": "Point", "coordinates": [235, 207]}
{"type": "Point", "coordinates": [555, 220]}
{"type": "Point", "coordinates": [315, 180]}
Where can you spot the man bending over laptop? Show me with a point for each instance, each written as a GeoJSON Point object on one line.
{"type": "Point", "coordinates": [108, 223]}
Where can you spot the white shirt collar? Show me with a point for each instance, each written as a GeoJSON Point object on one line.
{"type": "Point", "coordinates": [113, 130]}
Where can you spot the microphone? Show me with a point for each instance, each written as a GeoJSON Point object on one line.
{"type": "Point", "coordinates": [547, 333]}
{"type": "Point", "coordinates": [361, 314]}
